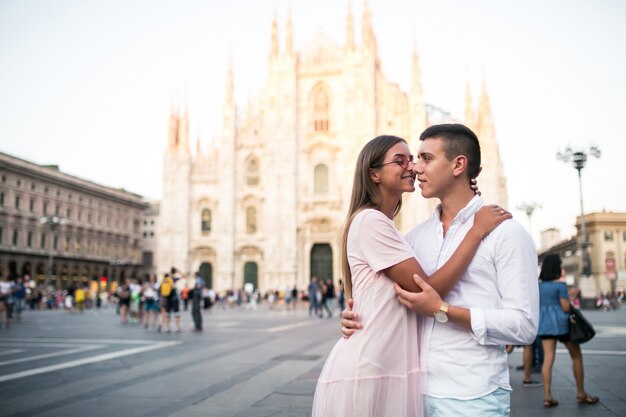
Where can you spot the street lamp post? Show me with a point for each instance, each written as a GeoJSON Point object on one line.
{"type": "Point", "coordinates": [53, 223]}
{"type": "Point", "coordinates": [579, 160]}
{"type": "Point", "coordinates": [529, 209]}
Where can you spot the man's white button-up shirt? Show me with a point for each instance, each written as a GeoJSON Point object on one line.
{"type": "Point", "coordinates": [499, 287]}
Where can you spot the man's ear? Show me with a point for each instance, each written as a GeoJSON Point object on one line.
{"type": "Point", "coordinates": [460, 165]}
{"type": "Point", "coordinates": [375, 176]}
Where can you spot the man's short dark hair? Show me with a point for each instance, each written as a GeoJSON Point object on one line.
{"type": "Point", "coordinates": [458, 140]}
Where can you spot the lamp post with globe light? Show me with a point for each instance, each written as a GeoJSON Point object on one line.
{"type": "Point", "coordinates": [579, 160]}
{"type": "Point", "coordinates": [53, 223]}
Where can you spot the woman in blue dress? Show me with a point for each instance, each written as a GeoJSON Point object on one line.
{"type": "Point", "coordinates": [554, 325]}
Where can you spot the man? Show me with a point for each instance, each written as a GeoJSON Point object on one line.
{"type": "Point", "coordinates": [313, 304]}
{"type": "Point", "coordinates": [494, 303]}
{"type": "Point", "coordinates": [196, 299]}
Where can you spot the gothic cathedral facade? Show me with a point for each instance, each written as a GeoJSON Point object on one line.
{"type": "Point", "coordinates": [266, 204]}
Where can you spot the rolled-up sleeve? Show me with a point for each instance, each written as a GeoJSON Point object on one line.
{"type": "Point", "coordinates": [515, 320]}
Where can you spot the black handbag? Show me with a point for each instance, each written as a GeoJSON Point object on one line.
{"type": "Point", "coordinates": [580, 330]}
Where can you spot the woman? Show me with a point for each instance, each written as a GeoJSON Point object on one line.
{"type": "Point", "coordinates": [553, 325]}
{"type": "Point", "coordinates": [123, 293]}
{"type": "Point", "coordinates": [151, 305]}
{"type": "Point", "coordinates": [375, 372]}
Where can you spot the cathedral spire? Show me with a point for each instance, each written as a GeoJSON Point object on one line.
{"type": "Point", "coordinates": [274, 51]}
{"type": "Point", "coordinates": [289, 36]}
{"type": "Point", "coordinates": [350, 29]}
{"type": "Point", "coordinates": [229, 109]}
{"type": "Point", "coordinates": [198, 147]}
{"type": "Point", "coordinates": [368, 39]}
{"type": "Point", "coordinates": [418, 107]}
{"type": "Point", "coordinates": [183, 133]}
{"type": "Point", "coordinates": [469, 107]}
{"type": "Point", "coordinates": [416, 82]}
{"type": "Point", "coordinates": [229, 84]}
{"type": "Point", "coordinates": [172, 141]}
{"type": "Point", "coordinates": [485, 120]}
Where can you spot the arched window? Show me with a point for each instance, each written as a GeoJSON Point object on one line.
{"type": "Point", "coordinates": [206, 220]}
{"type": "Point", "coordinates": [320, 111]}
{"type": "Point", "coordinates": [252, 171]}
{"type": "Point", "coordinates": [251, 220]}
{"type": "Point", "coordinates": [320, 179]}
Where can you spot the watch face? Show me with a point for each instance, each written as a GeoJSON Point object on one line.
{"type": "Point", "coordinates": [441, 317]}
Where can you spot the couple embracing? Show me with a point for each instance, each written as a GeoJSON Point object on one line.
{"type": "Point", "coordinates": [432, 311]}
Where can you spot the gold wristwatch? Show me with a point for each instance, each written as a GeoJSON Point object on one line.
{"type": "Point", "coordinates": [442, 314]}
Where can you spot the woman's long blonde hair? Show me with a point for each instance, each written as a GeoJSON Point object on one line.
{"type": "Point", "coordinates": [365, 193]}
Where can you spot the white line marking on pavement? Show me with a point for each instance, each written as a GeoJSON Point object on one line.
{"type": "Point", "coordinates": [596, 352]}
{"type": "Point", "coordinates": [40, 344]}
{"type": "Point", "coordinates": [52, 354]}
{"type": "Point", "coordinates": [84, 361]}
{"type": "Point", "coordinates": [610, 331]}
{"type": "Point", "coordinates": [90, 341]}
{"type": "Point", "coordinates": [11, 351]}
{"type": "Point", "coordinates": [288, 326]}
{"type": "Point", "coordinates": [227, 324]}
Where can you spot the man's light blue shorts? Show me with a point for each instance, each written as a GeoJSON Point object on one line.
{"type": "Point", "coordinates": [496, 404]}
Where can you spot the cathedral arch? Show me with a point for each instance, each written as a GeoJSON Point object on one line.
{"type": "Point", "coordinates": [320, 107]}
{"type": "Point", "coordinates": [253, 170]}
{"type": "Point", "coordinates": [321, 261]}
{"type": "Point", "coordinates": [251, 274]}
{"type": "Point", "coordinates": [320, 179]}
{"type": "Point", "coordinates": [206, 272]}
{"type": "Point", "coordinates": [206, 221]}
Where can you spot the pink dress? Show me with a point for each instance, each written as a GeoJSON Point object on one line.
{"type": "Point", "coordinates": [374, 373]}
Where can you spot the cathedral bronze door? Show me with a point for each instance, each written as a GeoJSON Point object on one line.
{"type": "Point", "coordinates": [321, 261]}
{"type": "Point", "coordinates": [251, 274]}
{"type": "Point", "coordinates": [206, 272]}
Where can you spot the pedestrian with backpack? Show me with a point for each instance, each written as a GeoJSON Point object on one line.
{"type": "Point", "coordinates": [165, 293]}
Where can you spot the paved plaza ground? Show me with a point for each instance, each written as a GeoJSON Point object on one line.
{"type": "Point", "coordinates": [246, 363]}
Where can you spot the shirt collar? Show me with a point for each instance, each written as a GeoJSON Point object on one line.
{"type": "Point", "coordinates": [466, 212]}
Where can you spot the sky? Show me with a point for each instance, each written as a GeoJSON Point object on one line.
{"type": "Point", "coordinates": [89, 85]}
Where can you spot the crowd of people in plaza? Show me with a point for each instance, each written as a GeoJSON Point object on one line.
{"type": "Point", "coordinates": [157, 302]}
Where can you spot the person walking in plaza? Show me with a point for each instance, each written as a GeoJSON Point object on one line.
{"type": "Point", "coordinates": [313, 304]}
{"type": "Point", "coordinates": [6, 292]}
{"type": "Point", "coordinates": [532, 357]}
{"type": "Point", "coordinates": [324, 291]}
{"type": "Point", "coordinates": [495, 302]}
{"type": "Point", "coordinates": [554, 326]}
{"type": "Point", "coordinates": [19, 295]}
{"type": "Point", "coordinates": [376, 373]}
{"type": "Point", "coordinates": [295, 294]}
{"type": "Point", "coordinates": [79, 296]}
{"type": "Point", "coordinates": [123, 295]}
{"type": "Point", "coordinates": [150, 302]}
{"type": "Point", "coordinates": [330, 297]}
{"type": "Point", "coordinates": [166, 288]}
{"type": "Point", "coordinates": [196, 300]}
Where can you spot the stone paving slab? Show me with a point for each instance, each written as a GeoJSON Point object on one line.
{"type": "Point", "coordinates": [262, 364]}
